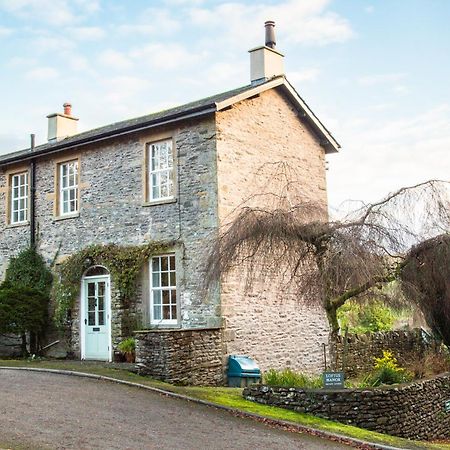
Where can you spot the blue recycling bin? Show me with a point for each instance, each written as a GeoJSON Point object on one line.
{"type": "Point", "coordinates": [242, 371]}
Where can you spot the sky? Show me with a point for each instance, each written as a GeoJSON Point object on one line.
{"type": "Point", "coordinates": [376, 72]}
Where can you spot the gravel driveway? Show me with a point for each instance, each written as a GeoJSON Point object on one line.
{"type": "Point", "coordinates": [40, 410]}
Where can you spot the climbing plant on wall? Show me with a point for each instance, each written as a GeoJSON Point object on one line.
{"type": "Point", "coordinates": [123, 262]}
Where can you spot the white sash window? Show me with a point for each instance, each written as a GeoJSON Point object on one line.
{"type": "Point", "coordinates": [160, 170]}
{"type": "Point", "coordinates": [68, 188]}
{"type": "Point", "coordinates": [19, 198]}
{"type": "Point", "coordinates": [163, 295]}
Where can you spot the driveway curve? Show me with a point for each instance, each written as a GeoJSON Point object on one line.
{"type": "Point", "coordinates": [42, 410]}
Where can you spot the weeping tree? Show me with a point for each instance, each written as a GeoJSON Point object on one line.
{"type": "Point", "coordinates": [426, 281]}
{"type": "Point", "coordinates": [328, 261]}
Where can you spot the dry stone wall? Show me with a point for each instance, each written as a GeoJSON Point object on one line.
{"type": "Point", "coordinates": [355, 353]}
{"type": "Point", "coordinates": [191, 357]}
{"type": "Point", "coordinates": [415, 410]}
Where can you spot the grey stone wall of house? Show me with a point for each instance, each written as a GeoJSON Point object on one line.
{"type": "Point", "coordinates": [182, 356]}
{"type": "Point", "coordinates": [112, 210]}
{"type": "Point", "coordinates": [355, 353]}
{"type": "Point", "coordinates": [415, 410]}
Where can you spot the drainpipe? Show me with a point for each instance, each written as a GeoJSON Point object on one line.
{"type": "Point", "coordinates": [32, 194]}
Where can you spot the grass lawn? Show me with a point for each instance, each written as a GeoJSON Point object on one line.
{"type": "Point", "coordinates": [230, 397]}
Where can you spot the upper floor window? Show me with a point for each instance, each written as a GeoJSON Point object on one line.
{"type": "Point", "coordinates": [19, 198]}
{"type": "Point", "coordinates": [68, 187]}
{"type": "Point", "coordinates": [163, 295]}
{"type": "Point", "coordinates": [160, 170]}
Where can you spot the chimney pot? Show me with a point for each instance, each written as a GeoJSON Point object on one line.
{"type": "Point", "coordinates": [67, 109]}
{"type": "Point", "coordinates": [270, 34]}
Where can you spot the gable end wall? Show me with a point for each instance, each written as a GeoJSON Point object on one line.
{"type": "Point", "coordinates": [276, 330]}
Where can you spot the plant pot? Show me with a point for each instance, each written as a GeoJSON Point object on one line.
{"type": "Point", "coordinates": [130, 357]}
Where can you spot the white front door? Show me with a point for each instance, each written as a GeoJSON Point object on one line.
{"type": "Point", "coordinates": [96, 321]}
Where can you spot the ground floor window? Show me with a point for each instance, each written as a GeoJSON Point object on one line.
{"type": "Point", "coordinates": [163, 295]}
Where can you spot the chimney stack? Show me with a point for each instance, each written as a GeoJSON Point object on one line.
{"type": "Point", "coordinates": [265, 61]}
{"type": "Point", "coordinates": [61, 126]}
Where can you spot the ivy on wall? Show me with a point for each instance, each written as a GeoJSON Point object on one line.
{"type": "Point", "coordinates": [123, 262]}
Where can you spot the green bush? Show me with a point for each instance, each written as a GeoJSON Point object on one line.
{"type": "Point", "coordinates": [387, 371]}
{"type": "Point", "coordinates": [24, 298]}
{"type": "Point", "coordinates": [290, 378]}
{"type": "Point", "coordinates": [28, 270]}
{"type": "Point", "coordinates": [363, 318]}
{"type": "Point", "coordinates": [23, 310]}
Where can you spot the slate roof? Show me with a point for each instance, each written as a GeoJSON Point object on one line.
{"type": "Point", "coordinates": [199, 107]}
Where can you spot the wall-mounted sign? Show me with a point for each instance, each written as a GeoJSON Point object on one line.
{"type": "Point", "coordinates": [447, 406]}
{"type": "Point", "coordinates": [333, 380]}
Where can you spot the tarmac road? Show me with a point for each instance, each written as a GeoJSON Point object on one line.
{"type": "Point", "coordinates": [41, 410]}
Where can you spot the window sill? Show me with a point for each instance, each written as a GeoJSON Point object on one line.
{"type": "Point", "coordinates": [68, 216]}
{"type": "Point", "coordinates": [160, 202]}
{"type": "Point", "coordinates": [164, 326]}
{"type": "Point", "coordinates": [18, 225]}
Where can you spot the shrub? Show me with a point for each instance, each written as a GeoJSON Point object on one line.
{"type": "Point", "coordinates": [28, 270]}
{"type": "Point", "coordinates": [23, 310]}
{"type": "Point", "coordinates": [127, 345]}
{"type": "Point", "coordinates": [290, 378]}
{"type": "Point", "coordinates": [371, 317]}
{"type": "Point", "coordinates": [387, 371]}
{"type": "Point", "coordinates": [24, 297]}
{"type": "Point", "coordinates": [431, 363]}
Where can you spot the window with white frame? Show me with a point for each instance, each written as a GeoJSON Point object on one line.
{"type": "Point", "coordinates": [163, 295]}
{"type": "Point", "coordinates": [68, 188]}
{"type": "Point", "coordinates": [19, 198]}
{"type": "Point", "coordinates": [160, 170]}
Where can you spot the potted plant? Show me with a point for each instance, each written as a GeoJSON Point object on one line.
{"type": "Point", "coordinates": [128, 348]}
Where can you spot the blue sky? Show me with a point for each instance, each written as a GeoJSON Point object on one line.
{"type": "Point", "coordinates": [376, 72]}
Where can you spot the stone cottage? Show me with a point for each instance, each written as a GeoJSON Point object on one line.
{"type": "Point", "coordinates": [172, 176]}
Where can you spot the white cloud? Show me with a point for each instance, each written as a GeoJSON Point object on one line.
{"type": "Point", "coordinates": [401, 89]}
{"type": "Point", "coordinates": [55, 12]}
{"type": "Point", "coordinates": [86, 33]}
{"type": "Point", "coordinates": [299, 22]}
{"type": "Point", "coordinates": [78, 62]}
{"type": "Point", "coordinates": [123, 87]}
{"type": "Point", "coordinates": [219, 73]}
{"type": "Point", "coordinates": [55, 44]}
{"type": "Point", "coordinates": [89, 6]}
{"type": "Point", "coordinates": [5, 31]}
{"type": "Point", "coordinates": [165, 56]}
{"type": "Point", "coordinates": [52, 12]}
{"type": "Point", "coordinates": [384, 155]}
{"type": "Point", "coordinates": [42, 74]}
{"type": "Point", "coordinates": [114, 59]}
{"type": "Point", "coordinates": [381, 106]}
{"type": "Point", "coordinates": [311, 74]}
{"type": "Point", "coordinates": [19, 61]}
{"type": "Point", "coordinates": [383, 78]}
{"type": "Point", "coordinates": [152, 21]}
{"type": "Point", "coordinates": [323, 30]}
{"type": "Point", "coordinates": [183, 2]}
